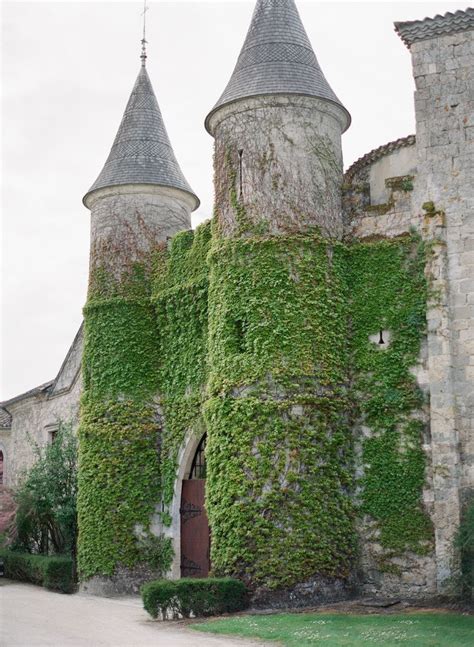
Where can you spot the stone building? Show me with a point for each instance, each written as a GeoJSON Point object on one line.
{"type": "Point", "coordinates": [302, 366]}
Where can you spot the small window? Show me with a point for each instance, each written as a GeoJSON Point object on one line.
{"type": "Point", "coordinates": [236, 335]}
{"type": "Point", "coordinates": [381, 339]}
{"type": "Point", "coordinates": [52, 431]}
{"type": "Point", "coordinates": [198, 467]}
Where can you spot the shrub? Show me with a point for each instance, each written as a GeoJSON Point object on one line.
{"type": "Point", "coordinates": [465, 545]}
{"type": "Point", "coordinates": [54, 573]}
{"type": "Point", "coordinates": [194, 597]}
{"type": "Point", "coordinates": [45, 520]}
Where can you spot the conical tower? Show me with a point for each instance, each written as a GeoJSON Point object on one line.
{"type": "Point", "coordinates": [278, 127]}
{"type": "Point", "coordinates": [278, 444]}
{"type": "Point", "coordinates": [141, 196]}
{"type": "Point", "coordinates": [140, 199]}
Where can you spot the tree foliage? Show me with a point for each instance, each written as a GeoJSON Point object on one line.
{"type": "Point", "coordinates": [45, 520]}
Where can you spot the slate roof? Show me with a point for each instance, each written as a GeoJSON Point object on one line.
{"type": "Point", "coordinates": [276, 58]}
{"type": "Point", "coordinates": [378, 153]}
{"type": "Point", "coordinates": [415, 30]}
{"type": "Point", "coordinates": [142, 152]}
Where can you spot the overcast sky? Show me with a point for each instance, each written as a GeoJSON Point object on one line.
{"type": "Point", "coordinates": [68, 69]}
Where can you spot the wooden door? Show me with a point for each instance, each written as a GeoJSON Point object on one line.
{"type": "Point", "coordinates": [195, 544]}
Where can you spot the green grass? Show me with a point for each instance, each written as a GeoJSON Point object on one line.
{"type": "Point", "coordinates": [340, 630]}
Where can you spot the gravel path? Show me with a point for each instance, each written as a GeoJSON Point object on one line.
{"type": "Point", "coordinates": [34, 617]}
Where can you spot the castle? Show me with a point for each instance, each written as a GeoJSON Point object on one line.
{"type": "Point", "coordinates": [285, 394]}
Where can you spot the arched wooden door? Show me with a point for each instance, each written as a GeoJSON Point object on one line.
{"type": "Point", "coordinates": [195, 539]}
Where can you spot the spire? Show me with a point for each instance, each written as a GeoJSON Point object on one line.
{"type": "Point", "coordinates": [144, 41]}
{"type": "Point", "coordinates": [276, 58]}
{"type": "Point", "coordinates": [142, 152]}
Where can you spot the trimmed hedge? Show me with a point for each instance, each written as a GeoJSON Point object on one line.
{"type": "Point", "coordinates": [194, 597]}
{"type": "Point", "coordinates": [54, 573]}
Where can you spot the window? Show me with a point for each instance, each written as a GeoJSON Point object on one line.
{"type": "Point", "coordinates": [198, 467]}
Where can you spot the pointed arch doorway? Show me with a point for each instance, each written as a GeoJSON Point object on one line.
{"type": "Point", "coordinates": [195, 536]}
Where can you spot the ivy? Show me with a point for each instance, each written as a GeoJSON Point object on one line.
{"type": "Point", "coordinates": [180, 299]}
{"type": "Point", "coordinates": [389, 291]}
{"type": "Point", "coordinates": [277, 491]}
{"type": "Point", "coordinates": [119, 483]}
{"type": "Point", "coordinates": [262, 343]}
{"type": "Point", "coordinates": [279, 447]}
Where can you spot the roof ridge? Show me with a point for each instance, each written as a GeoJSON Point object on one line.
{"type": "Point", "coordinates": [412, 31]}
{"type": "Point", "coordinates": [378, 153]}
{"type": "Point", "coordinates": [27, 394]}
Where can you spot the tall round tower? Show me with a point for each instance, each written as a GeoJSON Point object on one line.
{"type": "Point", "coordinates": [139, 200]}
{"type": "Point", "coordinates": [278, 439]}
{"type": "Point", "coordinates": [277, 129]}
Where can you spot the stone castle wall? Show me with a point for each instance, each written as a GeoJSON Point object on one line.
{"type": "Point", "coordinates": [444, 105]}
{"type": "Point", "coordinates": [35, 416]}
{"type": "Point", "coordinates": [424, 185]}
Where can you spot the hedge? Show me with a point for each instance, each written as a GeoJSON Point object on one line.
{"type": "Point", "coordinates": [54, 573]}
{"type": "Point", "coordinates": [193, 597]}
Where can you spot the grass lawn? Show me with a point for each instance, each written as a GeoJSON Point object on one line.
{"type": "Point", "coordinates": [340, 630]}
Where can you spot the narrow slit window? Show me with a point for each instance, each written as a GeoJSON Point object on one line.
{"type": "Point", "coordinates": [381, 339]}
{"type": "Point", "coordinates": [240, 330]}
{"type": "Point", "coordinates": [241, 152]}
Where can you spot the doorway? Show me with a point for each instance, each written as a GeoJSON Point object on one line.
{"type": "Point", "coordinates": [195, 535]}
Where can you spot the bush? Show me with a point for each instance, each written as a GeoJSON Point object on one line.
{"type": "Point", "coordinates": [465, 545]}
{"type": "Point", "coordinates": [193, 597]}
{"type": "Point", "coordinates": [54, 573]}
{"type": "Point", "coordinates": [45, 520]}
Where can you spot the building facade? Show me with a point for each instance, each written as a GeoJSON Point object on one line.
{"type": "Point", "coordinates": [285, 394]}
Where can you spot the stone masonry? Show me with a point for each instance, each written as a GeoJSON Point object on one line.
{"type": "Point", "coordinates": [422, 182]}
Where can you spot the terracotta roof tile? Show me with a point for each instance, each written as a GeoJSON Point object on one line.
{"type": "Point", "coordinates": [415, 30]}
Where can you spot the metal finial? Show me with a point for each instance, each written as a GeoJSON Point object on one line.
{"type": "Point", "coordinates": [144, 40]}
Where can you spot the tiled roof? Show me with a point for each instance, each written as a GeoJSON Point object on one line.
{"type": "Point", "coordinates": [142, 152]}
{"type": "Point", "coordinates": [415, 30]}
{"type": "Point", "coordinates": [5, 419]}
{"type": "Point", "coordinates": [276, 58]}
{"type": "Point", "coordinates": [377, 153]}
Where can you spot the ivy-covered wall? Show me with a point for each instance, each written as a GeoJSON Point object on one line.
{"type": "Point", "coordinates": [389, 294]}
{"type": "Point", "coordinates": [180, 296]}
{"type": "Point", "coordinates": [279, 444]}
{"type": "Point", "coordinates": [119, 470]}
{"type": "Point", "coordinates": [263, 343]}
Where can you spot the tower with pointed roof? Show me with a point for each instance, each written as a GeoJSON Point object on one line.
{"type": "Point", "coordinates": [138, 202]}
{"type": "Point", "coordinates": [321, 386]}
{"type": "Point", "coordinates": [277, 129]}
{"type": "Point", "coordinates": [141, 196]}
{"type": "Point", "coordinates": [278, 175]}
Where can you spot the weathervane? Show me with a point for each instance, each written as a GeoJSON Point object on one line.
{"type": "Point", "coordinates": [144, 40]}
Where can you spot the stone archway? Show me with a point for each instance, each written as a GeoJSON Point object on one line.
{"type": "Point", "coordinates": [194, 525]}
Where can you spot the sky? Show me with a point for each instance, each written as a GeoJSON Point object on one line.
{"type": "Point", "coordinates": [67, 71]}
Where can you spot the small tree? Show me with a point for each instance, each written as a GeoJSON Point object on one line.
{"type": "Point", "coordinates": [46, 519]}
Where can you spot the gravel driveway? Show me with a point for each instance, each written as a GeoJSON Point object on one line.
{"type": "Point", "coordinates": [32, 617]}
